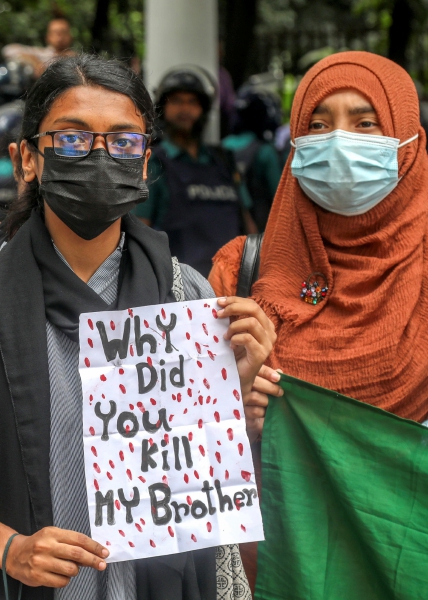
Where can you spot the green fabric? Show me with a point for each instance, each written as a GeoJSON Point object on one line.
{"type": "Point", "coordinates": [155, 208]}
{"type": "Point", "coordinates": [344, 500]}
{"type": "Point", "coordinates": [267, 167]}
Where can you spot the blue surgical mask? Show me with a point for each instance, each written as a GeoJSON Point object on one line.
{"type": "Point", "coordinates": [347, 173]}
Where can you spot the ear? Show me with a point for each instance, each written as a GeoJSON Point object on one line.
{"type": "Point", "coordinates": [29, 162]}
{"type": "Point", "coordinates": [146, 162]}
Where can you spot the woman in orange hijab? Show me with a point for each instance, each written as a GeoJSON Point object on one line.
{"type": "Point", "coordinates": [348, 218]}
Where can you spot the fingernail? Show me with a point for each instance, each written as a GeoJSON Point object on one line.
{"type": "Point", "coordinates": [221, 300]}
{"type": "Point", "coordinates": [220, 311]}
{"type": "Point", "coordinates": [281, 392]}
{"type": "Point", "coordinates": [279, 371]}
{"type": "Point", "coordinates": [105, 553]}
{"type": "Point", "coordinates": [275, 376]}
{"type": "Point", "coordinates": [102, 566]}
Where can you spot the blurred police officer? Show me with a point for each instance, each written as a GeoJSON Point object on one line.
{"type": "Point", "coordinates": [195, 191]}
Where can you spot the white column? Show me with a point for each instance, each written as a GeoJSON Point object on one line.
{"type": "Point", "coordinates": [182, 32]}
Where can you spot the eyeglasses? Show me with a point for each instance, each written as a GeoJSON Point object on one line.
{"type": "Point", "coordinates": [120, 144]}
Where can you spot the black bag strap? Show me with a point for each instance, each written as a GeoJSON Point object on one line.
{"type": "Point", "coordinates": [250, 264]}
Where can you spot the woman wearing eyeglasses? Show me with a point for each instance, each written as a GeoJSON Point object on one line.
{"type": "Point", "coordinates": [73, 247]}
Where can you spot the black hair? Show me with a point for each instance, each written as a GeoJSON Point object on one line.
{"type": "Point", "coordinates": [62, 75]}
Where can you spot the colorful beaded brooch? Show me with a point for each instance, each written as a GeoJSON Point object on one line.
{"type": "Point", "coordinates": [314, 289]}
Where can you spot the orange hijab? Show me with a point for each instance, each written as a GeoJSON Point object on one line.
{"type": "Point", "coordinates": [369, 338]}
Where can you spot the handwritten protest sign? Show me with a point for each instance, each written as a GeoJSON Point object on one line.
{"type": "Point", "coordinates": [167, 459]}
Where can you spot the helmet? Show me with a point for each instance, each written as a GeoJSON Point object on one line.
{"type": "Point", "coordinates": [258, 111]}
{"type": "Point", "coordinates": [188, 78]}
{"type": "Point", "coordinates": [15, 79]}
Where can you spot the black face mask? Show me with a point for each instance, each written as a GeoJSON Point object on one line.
{"type": "Point", "coordinates": [88, 194]}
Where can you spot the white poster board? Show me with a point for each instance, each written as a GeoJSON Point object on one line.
{"type": "Point", "coordinates": [167, 459]}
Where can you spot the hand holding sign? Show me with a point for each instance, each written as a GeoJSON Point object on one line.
{"type": "Point", "coordinates": [167, 459]}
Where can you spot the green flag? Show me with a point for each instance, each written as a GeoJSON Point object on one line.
{"type": "Point", "coordinates": [344, 500]}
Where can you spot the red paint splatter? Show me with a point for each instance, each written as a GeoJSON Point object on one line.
{"type": "Point", "coordinates": [206, 383]}
{"type": "Point", "coordinates": [91, 430]}
{"type": "Point", "coordinates": [189, 501]}
{"type": "Point", "coordinates": [174, 397]}
{"type": "Point", "coordinates": [204, 327]}
{"type": "Point", "coordinates": [117, 504]}
{"type": "Point", "coordinates": [90, 342]}
{"type": "Point", "coordinates": [127, 428]}
{"type": "Point", "coordinates": [142, 521]}
{"type": "Point", "coordinates": [121, 371]}
{"type": "Point", "coordinates": [208, 400]}
{"type": "Point", "coordinates": [198, 362]}
{"type": "Point", "coordinates": [214, 313]}
{"type": "Point", "coordinates": [211, 471]}
{"type": "Point", "coordinates": [209, 527]}
{"type": "Point", "coordinates": [237, 414]}
{"type": "Point", "coordinates": [108, 543]}
{"type": "Point", "coordinates": [186, 478]}
{"type": "Point", "coordinates": [189, 392]}
{"type": "Point", "coordinates": [217, 416]}
{"type": "Point", "coordinates": [131, 350]}
{"type": "Point", "coordinates": [230, 433]}
{"type": "Point", "coordinates": [141, 478]}
{"type": "Point", "coordinates": [87, 362]}
{"type": "Point", "coordinates": [246, 475]}
{"type": "Point", "coordinates": [240, 449]}
{"type": "Point", "coordinates": [153, 401]}
{"type": "Point", "coordinates": [91, 398]}
{"type": "Point", "coordinates": [109, 475]}
{"type": "Point", "coordinates": [131, 446]}
{"type": "Point", "coordinates": [102, 396]}
{"type": "Point", "coordinates": [91, 325]}
{"type": "Point", "coordinates": [236, 394]}
{"type": "Point", "coordinates": [185, 411]}
{"type": "Point", "coordinates": [96, 467]}
{"type": "Point", "coordinates": [237, 504]}
{"type": "Point", "coordinates": [149, 361]}
{"type": "Point", "coordinates": [131, 406]}
{"type": "Point", "coordinates": [215, 338]}
{"type": "Point", "coordinates": [192, 537]}
{"type": "Point", "coordinates": [130, 312]}
{"type": "Point", "coordinates": [179, 397]}
{"type": "Point", "coordinates": [243, 528]}
{"type": "Point", "coordinates": [226, 474]}
{"type": "Point", "coordinates": [187, 335]}
{"type": "Point", "coordinates": [122, 388]}
{"type": "Point", "coordinates": [146, 324]}
{"type": "Point", "coordinates": [224, 374]}
{"type": "Point", "coordinates": [191, 381]}
{"type": "Point", "coordinates": [152, 544]}
{"type": "Point", "coordinates": [196, 474]}
{"type": "Point", "coordinates": [166, 438]}
{"type": "Point", "coordinates": [96, 486]}
{"type": "Point", "coordinates": [151, 441]}
{"type": "Point", "coordinates": [140, 405]}
{"type": "Point", "coordinates": [111, 463]}
{"type": "Point", "coordinates": [201, 400]}
{"type": "Point", "coordinates": [198, 348]}
{"type": "Point", "coordinates": [215, 401]}
{"type": "Point", "coordinates": [165, 479]}
{"type": "Point", "coordinates": [122, 533]}
{"type": "Point", "coordinates": [171, 531]}
{"type": "Point", "coordinates": [189, 314]}
{"type": "Point", "coordinates": [163, 313]}
{"type": "Point", "coordinates": [112, 325]}
{"type": "Point", "coordinates": [218, 443]}
{"type": "Point", "coordinates": [139, 528]}
{"type": "Point", "coordinates": [218, 457]}
{"type": "Point", "coordinates": [211, 355]}
{"type": "Point", "coordinates": [170, 418]}
{"type": "Point", "coordinates": [131, 544]}
{"type": "Point", "coordinates": [103, 378]}
{"type": "Point", "coordinates": [121, 456]}
{"type": "Point", "coordinates": [190, 436]}
{"type": "Point", "coordinates": [200, 423]}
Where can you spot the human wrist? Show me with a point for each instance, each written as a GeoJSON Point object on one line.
{"type": "Point", "coordinates": [5, 533]}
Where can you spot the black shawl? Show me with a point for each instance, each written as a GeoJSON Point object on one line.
{"type": "Point", "coordinates": [36, 285]}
